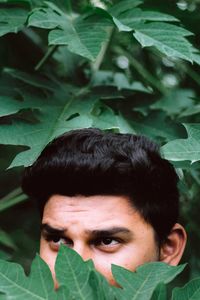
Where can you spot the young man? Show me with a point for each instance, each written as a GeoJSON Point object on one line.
{"type": "Point", "coordinates": [110, 197]}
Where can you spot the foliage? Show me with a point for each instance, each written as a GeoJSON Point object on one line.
{"type": "Point", "coordinates": [79, 280]}
{"type": "Point", "coordinates": [126, 66]}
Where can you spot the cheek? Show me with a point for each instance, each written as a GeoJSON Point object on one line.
{"type": "Point", "coordinates": [48, 256]}
{"type": "Point", "coordinates": [129, 258]}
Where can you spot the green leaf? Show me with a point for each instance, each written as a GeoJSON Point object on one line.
{"type": "Point", "coordinates": [84, 282]}
{"type": "Point", "coordinates": [10, 202]}
{"type": "Point", "coordinates": [11, 106]}
{"type": "Point", "coordinates": [190, 111]}
{"type": "Point", "coordinates": [196, 58]}
{"type": "Point", "coordinates": [156, 125]}
{"type": "Point", "coordinates": [38, 286]}
{"type": "Point", "coordinates": [12, 20]}
{"type": "Point", "coordinates": [4, 255]}
{"type": "Point", "coordinates": [127, 20]}
{"type": "Point", "coordinates": [175, 102]}
{"type": "Point", "coordinates": [167, 38]}
{"type": "Point", "coordinates": [80, 38]}
{"type": "Point", "coordinates": [71, 271]}
{"type": "Point", "coordinates": [185, 149]}
{"type": "Point", "coordinates": [58, 113]}
{"type": "Point", "coordinates": [34, 80]}
{"type": "Point", "coordinates": [46, 18]}
{"type": "Point", "coordinates": [119, 80]}
{"type": "Point", "coordinates": [141, 284]}
{"type": "Point", "coordinates": [6, 240]}
{"type": "Point", "coordinates": [75, 32]}
{"type": "Point", "coordinates": [160, 293]}
{"type": "Point", "coordinates": [191, 291]}
{"type": "Point", "coordinates": [123, 6]}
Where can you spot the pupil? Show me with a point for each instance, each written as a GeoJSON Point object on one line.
{"type": "Point", "coordinates": [107, 241]}
{"type": "Point", "coordinates": [56, 239]}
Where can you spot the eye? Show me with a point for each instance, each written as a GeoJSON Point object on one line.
{"type": "Point", "coordinates": [109, 241]}
{"type": "Point", "coordinates": [56, 241]}
{"type": "Point", "coordinates": [108, 244]}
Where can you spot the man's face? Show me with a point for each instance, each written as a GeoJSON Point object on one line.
{"type": "Point", "coordinates": [106, 229]}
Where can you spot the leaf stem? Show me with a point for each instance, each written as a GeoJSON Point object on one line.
{"type": "Point", "coordinates": [193, 74]}
{"type": "Point", "coordinates": [69, 6]}
{"type": "Point", "coordinates": [47, 55]}
{"type": "Point", "coordinates": [97, 64]}
{"type": "Point", "coordinates": [5, 204]}
{"type": "Point", "coordinates": [12, 194]}
{"type": "Point", "coordinates": [143, 72]}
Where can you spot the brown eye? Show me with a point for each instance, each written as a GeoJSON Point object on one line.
{"type": "Point", "coordinates": [56, 239]}
{"type": "Point", "coordinates": [107, 241]}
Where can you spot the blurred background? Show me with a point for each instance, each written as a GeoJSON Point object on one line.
{"type": "Point", "coordinates": [124, 87]}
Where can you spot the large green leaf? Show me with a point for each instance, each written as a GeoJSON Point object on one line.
{"type": "Point", "coordinates": [11, 106]}
{"type": "Point", "coordinates": [141, 284]}
{"type": "Point", "coordinates": [79, 280]}
{"type": "Point", "coordinates": [12, 19]}
{"type": "Point", "coordinates": [156, 125]}
{"type": "Point", "coordinates": [191, 291]}
{"type": "Point", "coordinates": [184, 149]}
{"type": "Point", "coordinates": [127, 20]}
{"type": "Point", "coordinates": [84, 281]}
{"type": "Point", "coordinates": [53, 121]}
{"type": "Point", "coordinates": [16, 285]}
{"type": "Point", "coordinates": [73, 272]}
{"type": "Point", "coordinates": [73, 31]}
{"type": "Point", "coordinates": [160, 293]}
{"type": "Point", "coordinates": [57, 113]}
{"type": "Point", "coordinates": [123, 6]}
{"type": "Point", "coordinates": [175, 102]}
{"type": "Point", "coordinates": [167, 38]}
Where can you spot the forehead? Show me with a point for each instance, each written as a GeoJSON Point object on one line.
{"type": "Point", "coordinates": [91, 212]}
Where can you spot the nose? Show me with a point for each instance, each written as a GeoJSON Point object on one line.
{"type": "Point", "coordinates": [83, 250]}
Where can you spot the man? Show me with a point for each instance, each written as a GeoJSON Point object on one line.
{"type": "Point", "coordinates": [110, 197]}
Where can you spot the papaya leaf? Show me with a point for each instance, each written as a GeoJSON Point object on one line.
{"type": "Point", "coordinates": [54, 112]}
{"type": "Point", "coordinates": [141, 284]}
{"type": "Point", "coordinates": [196, 57]}
{"type": "Point", "coordinates": [191, 291]}
{"type": "Point", "coordinates": [155, 125]}
{"type": "Point", "coordinates": [167, 38]}
{"type": "Point", "coordinates": [160, 293]}
{"type": "Point", "coordinates": [11, 106]}
{"type": "Point", "coordinates": [58, 111]}
{"type": "Point", "coordinates": [176, 101]}
{"type": "Point", "coordinates": [12, 19]}
{"type": "Point", "coordinates": [190, 111]}
{"type": "Point", "coordinates": [79, 37]}
{"type": "Point", "coordinates": [184, 149]}
{"type": "Point", "coordinates": [71, 271]}
{"type": "Point", "coordinates": [75, 32]}
{"type": "Point", "coordinates": [123, 6]}
{"type": "Point", "coordinates": [4, 255]}
{"type": "Point", "coordinates": [128, 19]}
{"type": "Point", "coordinates": [16, 285]}
{"type": "Point", "coordinates": [84, 281]}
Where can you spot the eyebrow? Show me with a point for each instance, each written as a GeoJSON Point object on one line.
{"type": "Point", "coordinates": [51, 230]}
{"type": "Point", "coordinates": [97, 233]}
{"type": "Point", "coordinates": [109, 232]}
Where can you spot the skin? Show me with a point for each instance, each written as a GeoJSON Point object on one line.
{"type": "Point", "coordinates": [106, 229]}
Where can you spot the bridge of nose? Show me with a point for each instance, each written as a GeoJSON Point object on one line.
{"type": "Point", "coordinates": [83, 249]}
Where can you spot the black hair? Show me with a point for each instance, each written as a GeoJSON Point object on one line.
{"type": "Point", "coordinates": [92, 162]}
